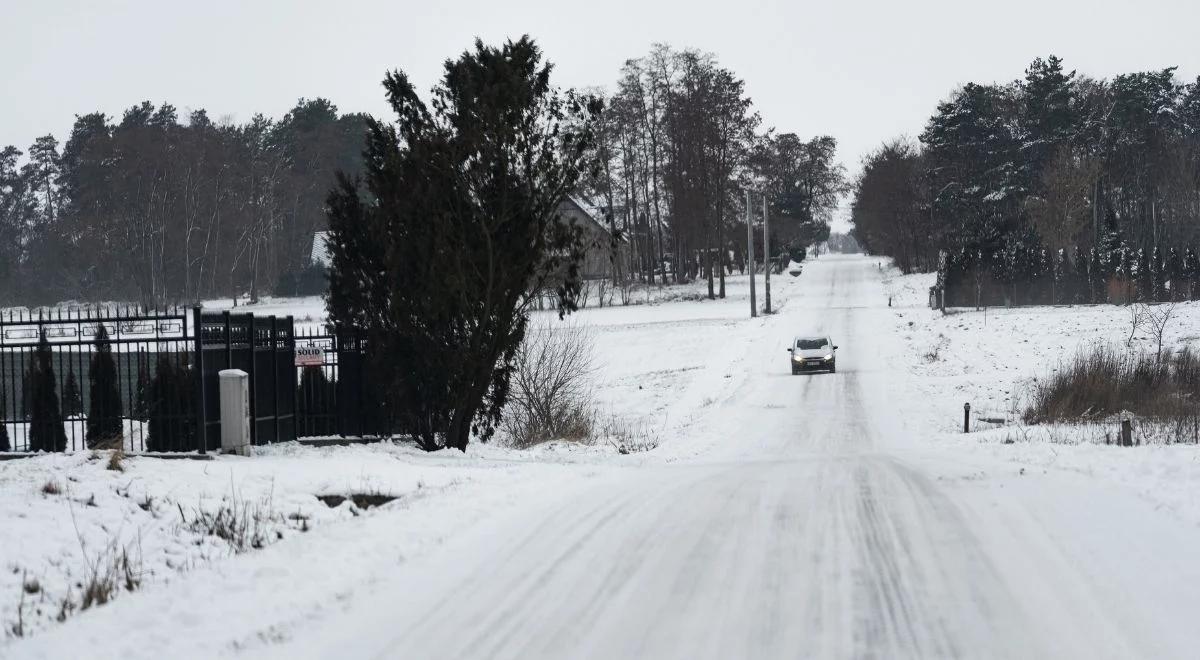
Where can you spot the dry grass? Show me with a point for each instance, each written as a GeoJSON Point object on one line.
{"type": "Point", "coordinates": [1105, 382]}
{"type": "Point", "coordinates": [115, 460]}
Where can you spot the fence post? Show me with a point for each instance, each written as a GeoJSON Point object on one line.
{"type": "Point", "coordinates": [252, 337]}
{"type": "Point", "coordinates": [1126, 433]}
{"type": "Point", "coordinates": [966, 418]}
{"type": "Point", "coordinates": [201, 419]}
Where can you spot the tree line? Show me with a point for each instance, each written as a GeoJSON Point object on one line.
{"type": "Point", "coordinates": [678, 142]}
{"type": "Point", "coordinates": [156, 209]}
{"type": "Point", "coordinates": [159, 209]}
{"type": "Point", "coordinates": [1054, 161]}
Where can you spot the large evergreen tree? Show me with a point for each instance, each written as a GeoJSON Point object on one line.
{"type": "Point", "coordinates": [105, 411]}
{"type": "Point", "coordinates": [457, 223]}
{"type": "Point", "coordinates": [46, 431]}
{"type": "Point", "coordinates": [72, 400]}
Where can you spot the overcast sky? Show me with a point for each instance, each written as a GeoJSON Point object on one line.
{"type": "Point", "coordinates": [860, 71]}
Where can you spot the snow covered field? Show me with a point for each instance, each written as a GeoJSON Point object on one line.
{"type": "Point", "coordinates": [56, 542]}
{"type": "Point", "coordinates": [815, 516]}
{"type": "Point", "coordinates": [991, 358]}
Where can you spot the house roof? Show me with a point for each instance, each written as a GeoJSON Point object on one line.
{"type": "Point", "coordinates": [320, 249]}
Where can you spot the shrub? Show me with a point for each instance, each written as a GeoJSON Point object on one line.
{"type": "Point", "coordinates": [72, 401]}
{"type": "Point", "coordinates": [104, 398]}
{"type": "Point", "coordinates": [169, 402]}
{"type": "Point", "coordinates": [46, 432]}
{"type": "Point", "coordinates": [1104, 381]}
{"type": "Point", "coordinates": [550, 397]}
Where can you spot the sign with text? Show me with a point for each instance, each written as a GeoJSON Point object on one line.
{"type": "Point", "coordinates": [310, 356]}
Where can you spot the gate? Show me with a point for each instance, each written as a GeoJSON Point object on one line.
{"type": "Point", "coordinates": [334, 396]}
{"type": "Point", "coordinates": [263, 347]}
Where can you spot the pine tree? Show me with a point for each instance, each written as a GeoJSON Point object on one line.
{"type": "Point", "coordinates": [1173, 275]}
{"type": "Point", "coordinates": [461, 196]}
{"type": "Point", "coordinates": [104, 422]}
{"type": "Point", "coordinates": [141, 405]}
{"type": "Point", "coordinates": [72, 401]}
{"type": "Point", "coordinates": [46, 432]}
{"type": "Point", "coordinates": [1155, 267]}
{"type": "Point", "coordinates": [1191, 273]}
{"type": "Point", "coordinates": [170, 426]}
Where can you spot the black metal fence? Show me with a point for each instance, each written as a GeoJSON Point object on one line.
{"type": "Point", "coordinates": [150, 352]}
{"type": "Point", "coordinates": [166, 363]}
{"type": "Point", "coordinates": [333, 397]}
{"type": "Point", "coordinates": [263, 347]}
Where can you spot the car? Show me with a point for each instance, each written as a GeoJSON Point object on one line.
{"type": "Point", "coordinates": [813, 354]}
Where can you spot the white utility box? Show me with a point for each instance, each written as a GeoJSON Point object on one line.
{"type": "Point", "coordinates": [235, 411]}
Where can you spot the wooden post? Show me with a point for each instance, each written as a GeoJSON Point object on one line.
{"type": "Point", "coordinates": [966, 418]}
{"type": "Point", "coordinates": [1126, 433]}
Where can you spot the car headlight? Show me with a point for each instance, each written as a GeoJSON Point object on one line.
{"type": "Point", "coordinates": [828, 357]}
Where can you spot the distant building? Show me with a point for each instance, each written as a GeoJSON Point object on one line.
{"type": "Point", "coordinates": [598, 261]}
{"type": "Point", "coordinates": [320, 250]}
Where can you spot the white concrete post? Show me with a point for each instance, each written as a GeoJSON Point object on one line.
{"type": "Point", "coordinates": [235, 411]}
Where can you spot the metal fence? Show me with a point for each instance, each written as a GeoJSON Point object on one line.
{"type": "Point", "coordinates": [311, 383]}
{"type": "Point", "coordinates": [333, 395]}
{"type": "Point", "coordinates": [147, 350]}
{"type": "Point", "coordinates": [263, 347]}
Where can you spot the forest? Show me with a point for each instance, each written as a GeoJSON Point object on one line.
{"type": "Point", "coordinates": [1054, 172]}
{"type": "Point", "coordinates": [155, 208]}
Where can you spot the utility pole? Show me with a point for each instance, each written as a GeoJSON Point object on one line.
{"type": "Point", "coordinates": [767, 253]}
{"type": "Point", "coordinates": [750, 255]}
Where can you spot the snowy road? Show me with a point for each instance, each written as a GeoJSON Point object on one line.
{"type": "Point", "coordinates": [813, 526]}
{"type": "Point", "coordinates": [784, 516]}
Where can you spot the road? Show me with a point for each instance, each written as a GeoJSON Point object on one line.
{"type": "Point", "coordinates": [817, 526]}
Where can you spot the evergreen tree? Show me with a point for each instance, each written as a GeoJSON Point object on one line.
{"type": "Point", "coordinates": [1191, 273]}
{"type": "Point", "coordinates": [105, 414]}
{"type": "Point", "coordinates": [1142, 276]}
{"type": "Point", "coordinates": [170, 426]}
{"type": "Point", "coordinates": [463, 198]}
{"type": "Point", "coordinates": [72, 401]}
{"type": "Point", "coordinates": [141, 405]}
{"type": "Point", "coordinates": [1172, 275]}
{"type": "Point", "coordinates": [46, 431]}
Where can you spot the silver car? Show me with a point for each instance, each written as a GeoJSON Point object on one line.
{"type": "Point", "coordinates": [813, 354]}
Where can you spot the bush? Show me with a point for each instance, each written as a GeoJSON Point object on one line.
{"type": "Point", "coordinates": [46, 432]}
{"type": "Point", "coordinates": [72, 401]}
{"type": "Point", "coordinates": [105, 412]}
{"type": "Point", "coordinates": [1104, 382]}
{"type": "Point", "coordinates": [550, 397]}
{"type": "Point", "coordinates": [171, 426]}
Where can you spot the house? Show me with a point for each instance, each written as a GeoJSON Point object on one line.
{"type": "Point", "coordinates": [320, 250]}
{"type": "Point", "coordinates": [598, 260]}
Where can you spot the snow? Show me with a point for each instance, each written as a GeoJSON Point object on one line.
{"type": "Point", "coordinates": [838, 515]}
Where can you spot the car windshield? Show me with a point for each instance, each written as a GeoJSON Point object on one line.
{"type": "Point", "coordinates": [810, 344]}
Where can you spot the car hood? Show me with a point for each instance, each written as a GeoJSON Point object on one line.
{"type": "Point", "coordinates": [812, 353]}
